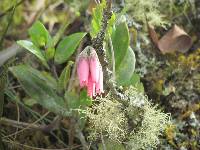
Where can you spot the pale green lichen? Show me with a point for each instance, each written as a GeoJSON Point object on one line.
{"type": "Point", "coordinates": [140, 9]}
{"type": "Point", "coordinates": [137, 126]}
{"type": "Point", "coordinates": [154, 121]}
{"type": "Point", "coordinates": [107, 118]}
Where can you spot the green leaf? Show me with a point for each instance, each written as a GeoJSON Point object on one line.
{"type": "Point", "coordinates": [37, 88]}
{"type": "Point", "coordinates": [120, 41]}
{"type": "Point", "coordinates": [126, 68]}
{"type": "Point", "coordinates": [39, 34]}
{"type": "Point", "coordinates": [85, 100]}
{"type": "Point", "coordinates": [49, 79]}
{"type": "Point", "coordinates": [49, 52]}
{"type": "Point", "coordinates": [75, 101]}
{"type": "Point", "coordinates": [72, 100]}
{"type": "Point", "coordinates": [135, 81]}
{"type": "Point", "coordinates": [97, 15]}
{"type": "Point", "coordinates": [67, 46]}
{"type": "Point", "coordinates": [33, 49]}
{"type": "Point", "coordinates": [64, 77]}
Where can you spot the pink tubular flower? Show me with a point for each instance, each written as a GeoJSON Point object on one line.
{"type": "Point", "coordinates": [94, 65]}
{"type": "Point", "coordinates": [91, 87]}
{"type": "Point", "coordinates": [83, 70]}
{"type": "Point", "coordinates": [99, 85]}
{"type": "Point", "coordinates": [90, 71]}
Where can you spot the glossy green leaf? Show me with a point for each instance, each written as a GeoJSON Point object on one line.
{"type": "Point", "coordinates": [67, 47]}
{"type": "Point", "coordinates": [33, 49]}
{"type": "Point", "coordinates": [126, 68]}
{"type": "Point", "coordinates": [64, 77]}
{"type": "Point", "coordinates": [120, 41]}
{"type": "Point", "coordinates": [39, 34]}
{"type": "Point", "coordinates": [37, 88]}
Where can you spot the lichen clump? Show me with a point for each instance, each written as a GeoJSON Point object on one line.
{"type": "Point", "coordinates": [137, 126]}
{"type": "Point", "coordinates": [151, 8]}
{"type": "Point", "coordinates": [107, 119]}
{"type": "Point", "coordinates": [153, 122]}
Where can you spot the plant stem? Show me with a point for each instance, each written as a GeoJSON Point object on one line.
{"type": "Point", "coordinates": [97, 44]}
{"type": "Point", "coordinates": [113, 58]}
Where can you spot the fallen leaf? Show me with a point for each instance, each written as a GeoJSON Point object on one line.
{"type": "Point", "coordinates": [152, 33]}
{"type": "Point", "coordinates": [176, 39]}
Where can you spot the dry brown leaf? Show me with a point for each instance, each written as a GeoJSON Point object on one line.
{"type": "Point", "coordinates": [176, 39]}
{"type": "Point", "coordinates": [152, 33]}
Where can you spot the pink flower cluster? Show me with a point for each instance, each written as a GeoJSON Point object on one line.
{"type": "Point", "coordinates": [90, 71]}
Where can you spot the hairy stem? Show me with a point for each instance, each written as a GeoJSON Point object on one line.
{"type": "Point", "coordinates": [97, 44]}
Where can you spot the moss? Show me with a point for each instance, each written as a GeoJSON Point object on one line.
{"type": "Point", "coordinates": [170, 134]}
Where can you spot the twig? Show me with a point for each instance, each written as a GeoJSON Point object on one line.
{"type": "Point", "coordinates": [18, 118]}
{"type": "Point", "coordinates": [81, 137]}
{"type": "Point", "coordinates": [35, 148]}
{"type": "Point", "coordinates": [22, 124]}
{"type": "Point", "coordinates": [71, 131]}
{"type": "Point", "coordinates": [59, 140]}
